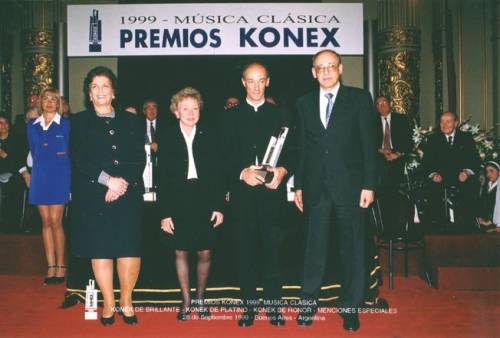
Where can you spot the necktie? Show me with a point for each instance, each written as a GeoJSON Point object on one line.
{"type": "Point", "coordinates": [329, 108]}
{"type": "Point", "coordinates": [387, 135]}
{"type": "Point", "coordinates": [450, 140]}
{"type": "Point", "coordinates": [152, 132]}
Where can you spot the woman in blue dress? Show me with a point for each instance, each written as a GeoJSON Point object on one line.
{"type": "Point", "coordinates": [49, 189]}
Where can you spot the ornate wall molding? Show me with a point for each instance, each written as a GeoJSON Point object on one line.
{"type": "Point", "coordinates": [398, 41]}
{"type": "Point", "coordinates": [399, 68]}
{"type": "Point", "coordinates": [38, 65]}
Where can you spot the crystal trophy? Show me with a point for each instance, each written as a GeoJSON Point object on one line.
{"type": "Point", "coordinates": [272, 155]}
{"type": "Point", "coordinates": [147, 176]}
{"type": "Point", "coordinates": [91, 301]}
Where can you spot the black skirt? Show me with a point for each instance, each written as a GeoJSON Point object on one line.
{"type": "Point", "coordinates": [193, 230]}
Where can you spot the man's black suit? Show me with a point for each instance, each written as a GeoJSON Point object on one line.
{"type": "Point", "coordinates": [392, 172]}
{"type": "Point", "coordinates": [257, 210]}
{"type": "Point", "coordinates": [449, 161]}
{"type": "Point", "coordinates": [335, 164]}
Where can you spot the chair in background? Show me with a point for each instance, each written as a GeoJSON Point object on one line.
{"type": "Point", "coordinates": [397, 231]}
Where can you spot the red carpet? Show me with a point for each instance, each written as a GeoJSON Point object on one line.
{"type": "Point", "coordinates": [29, 309]}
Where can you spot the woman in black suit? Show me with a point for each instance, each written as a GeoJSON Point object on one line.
{"type": "Point", "coordinates": [107, 148]}
{"type": "Point", "coordinates": [191, 194]}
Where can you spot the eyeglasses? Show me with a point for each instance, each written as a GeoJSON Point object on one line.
{"type": "Point", "coordinates": [326, 68]}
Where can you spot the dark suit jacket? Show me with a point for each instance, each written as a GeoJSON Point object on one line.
{"type": "Point", "coordinates": [93, 149]}
{"type": "Point", "coordinates": [13, 162]}
{"type": "Point", "coordinates": [400, 133]}
{"type": "Point", "coordinates": [246, 135]}
{"type": "Point", "coordinates": [392, 172]}
{"type": "Point", "coordinates": [448, 162]}
{"type": "Point", "coordinates": [343, 156]}
{"type": "Point", "coordinates": [173, 170]}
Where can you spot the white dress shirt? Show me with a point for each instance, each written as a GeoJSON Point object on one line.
{"type": "Point", "coordinates": [148, 128]}
{"type": "Point", "coordinates": [189, 143]}
{"type": "Point", "coordinates": [323, 102]}
{"type": "Point", "coordinates": [382, 118]}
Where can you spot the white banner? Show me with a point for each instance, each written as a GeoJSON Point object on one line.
{"type": "Point", "coordinates": [214, 29]}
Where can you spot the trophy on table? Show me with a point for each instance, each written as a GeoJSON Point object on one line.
{"type": "Point", "coordinates": [272, 155]}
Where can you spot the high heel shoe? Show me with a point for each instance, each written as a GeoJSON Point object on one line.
{"type": "Point", "coordinates": [60, 280]}
{"type": "Point", "coordinates": [130, 320]}
{"type": "Point", "coordinates": [183, 314]}
{"type": "Point", "coordinates": [106, 321]}
{"type": "Point", "coordinates": [50, 279]}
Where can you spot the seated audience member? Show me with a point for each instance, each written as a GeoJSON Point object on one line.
{"type": "Point", "coordinates": [488, 195]}
{"type": "Point", "coordinates": [10, 179]}
{"type": "Point", "coordinates": [394, 142]}
{"type": "Point", "coordinates": [394, 137]}
{"type": "Point", "coordinates": [451, 163]}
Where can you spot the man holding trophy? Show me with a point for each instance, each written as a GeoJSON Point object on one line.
{"type": "Point", "coordinates": [256, 167]}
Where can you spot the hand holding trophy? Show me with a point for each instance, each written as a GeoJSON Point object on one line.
{"type": "Point", "coordinates": [272, 155]}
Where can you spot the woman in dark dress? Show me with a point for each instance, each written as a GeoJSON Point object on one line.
{"type": "Point", "coordinates": [108, 156]}
{"type": "Point", "coordinates": [191, 192]}
{"type": "Point", "coordinates": [49, 187]}
{"type": "Point", "coordinates": [487, 199]}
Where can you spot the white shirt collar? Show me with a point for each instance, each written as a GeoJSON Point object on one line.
{"type": "Point", "coordinates": [388, 117]}
{"type": "Point", "coordinates": [189, 137]}
{"type": "Point", "coordinates": [452, 135]}
{"type": "Point", "coordinates": [256, 106]}
{"type": "Point", "coordinates": [334, 91]}
{"type": "Point", "coordinates": [41, 120]}
{"type": "Point", "coordinates": [492, 185]}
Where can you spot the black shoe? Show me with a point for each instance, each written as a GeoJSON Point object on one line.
{"type": "Point", "coordinates": [59, 280]}
{"type": "Point", "coordinates": [276, 319]}
{"type": "Point", "coordinates": [183, 314]}
{"type": "Point", "coordinates": [50, 280]}
{"type": "Point", "coordinates": [108, 320]}
{"type": "Point", "coordinates": [130, 320]}
{"type": "Point", "coordinates": [204, 313]}
{"type": "Point", "coordinates": [306, 315]}
{"type": "Point", "coordinates": [246, 319]}
{"type": "Point", "coordinates": [351, 322]}
{"type": "Point", "coordinates": [304, 320]}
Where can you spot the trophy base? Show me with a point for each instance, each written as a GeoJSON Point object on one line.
{"type": "Point", "coordinates": [266, 175]}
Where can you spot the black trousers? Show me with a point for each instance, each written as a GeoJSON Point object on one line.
{"type": "Point", "coordinates": [349, 221]}
{"type": "Point", "coordinates": [463, 195]}
{"type": "Point", "coordinates": [259, 243]}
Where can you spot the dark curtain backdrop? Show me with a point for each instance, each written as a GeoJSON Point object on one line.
{"type": "Point", "coordinates": [216, 77]}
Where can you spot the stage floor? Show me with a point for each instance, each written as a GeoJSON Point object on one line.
{"type": "Point", "coordinates": [29, 309]}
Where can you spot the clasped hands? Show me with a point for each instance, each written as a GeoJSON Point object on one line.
{"type": "Point", "coordinates": [389, 155]}
{"type": "Point", "coordinates": [117, 187]}
{"type": "Point", "coordinates": [252, 178]}
{"type": "Point", "coordinates": [462, 177]}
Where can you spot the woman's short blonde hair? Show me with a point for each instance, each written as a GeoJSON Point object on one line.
{"type": "Point", "coordinates": [185, 93]}
{"type": "Point", "coordinates": [52, 91]}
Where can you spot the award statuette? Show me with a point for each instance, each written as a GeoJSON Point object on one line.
{"type": "Point", "coordinates": [272, 155]}
{"type": "Point", "coordinates": [95, 32]}
{"type": "Point", "coordinates": [147, 176]}
{"type": "Point", "coordinates": [91, 301]}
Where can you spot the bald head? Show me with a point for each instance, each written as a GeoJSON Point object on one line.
{"type": "Point", "coordinates": [255, 79]}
